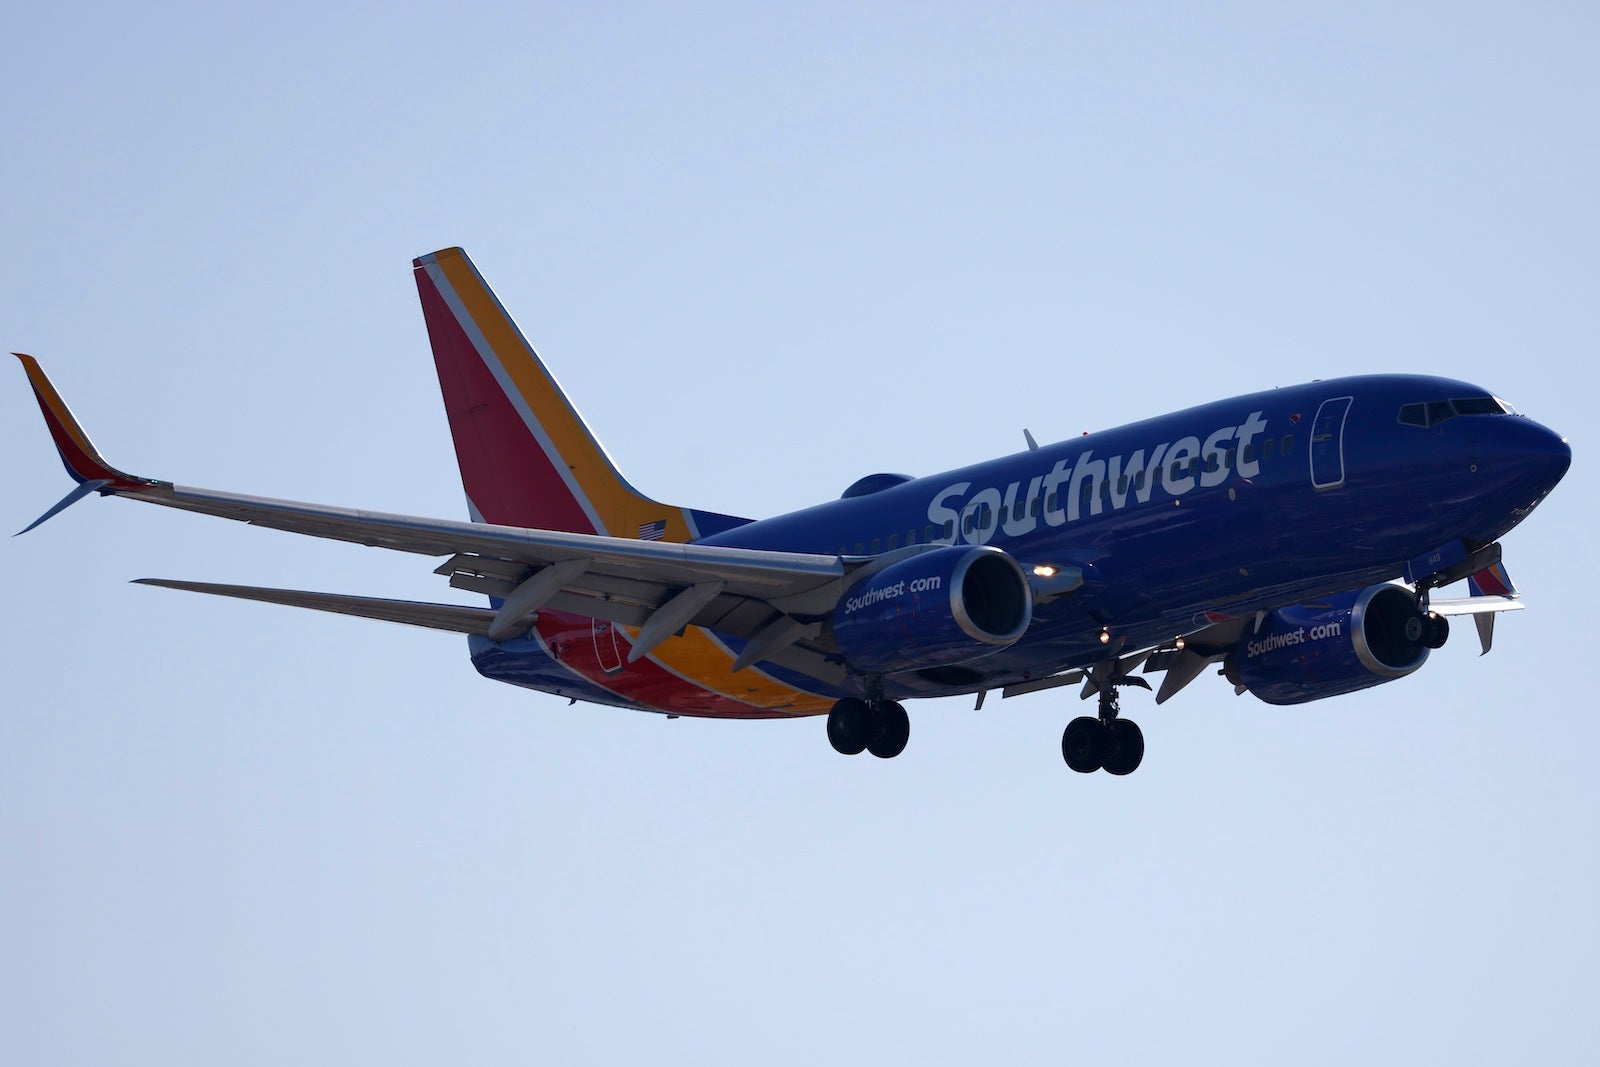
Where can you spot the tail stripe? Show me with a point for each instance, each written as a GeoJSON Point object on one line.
{"type": "Point", "coordinates": [507, 475]}
{"type": "Point", "coordinates": [473, 322]}
{"type": "Point", "coordinates": [527, 459]}
{"type": "Point", "coordinates": [584, 473]}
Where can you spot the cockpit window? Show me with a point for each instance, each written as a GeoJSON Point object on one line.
{"type": "Point", "coordinates": [1436, 411]}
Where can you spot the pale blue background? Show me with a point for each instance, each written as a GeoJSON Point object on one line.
{"type": "Point", "coordinates": [767, 253]}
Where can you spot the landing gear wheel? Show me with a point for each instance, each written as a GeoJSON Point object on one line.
{"type": "Point", "coordinates": [1081, 743]}
{"type": "Point", "coordinates": [849, 726]}
{"type": "Point", "coordinates": [1123, 747]}
{"type": "Point", "coordinates": [1435, 630]}
{"type": "Point", "coordinates": [893, 729]}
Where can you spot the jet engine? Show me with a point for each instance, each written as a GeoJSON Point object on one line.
{"type": "Point", "coordinates": [937, 608]}
{"type": "Point", "coordinates": [1349, 642]}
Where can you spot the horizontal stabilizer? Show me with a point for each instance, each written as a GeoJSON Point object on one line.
{"type": "Point", "coordinates": [455, 617]}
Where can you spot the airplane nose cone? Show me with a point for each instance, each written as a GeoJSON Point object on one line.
{"type": "Point", "coordinates": [1538, 456]}
{"type": "Point", "coordinates": [1552, 453]}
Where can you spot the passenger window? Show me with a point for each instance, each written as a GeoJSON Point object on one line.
{"type": "Point", "coordinates": [1138, 481]}
{"type": "Point", "coordinates": [931, 534]}
{"type": "Point", "coordinates": [1051, 503]}
{"type": "Point", "coordinates": [1249, 453]}
{"type": "Point", "coordinates": [1227, 457]}
{"type": "Point", "coordinates": [911, 538]}
{"type": "Point", "coordinates": [949, 529]}
{"type": "Point", "coordinates": [861, 549]}
{"type": "Point", "coordinates": [1035, 506]}
{"type": "Point", "coordinates": [1122, 485]}
{"type": "Point", "coordinates": [1413, 415]}
{"type": "Point", "coordinates": [1288, 444]}
{"type": "Point", "coordinates": [877, 546]}
{"type": "Point", "coordinates": [969, 522]}
{"type": "Point", "coordinates": [1267, 447]}
{"type": "Point", "coordinates": [1211, 463]}
{"type": "Point", "coordinates": [894, 541]}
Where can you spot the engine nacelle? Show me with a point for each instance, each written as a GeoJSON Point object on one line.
{"type": "Point", "coordinates": [1359, 640]}
{"type": "Point", "coordinates": [935, 609]}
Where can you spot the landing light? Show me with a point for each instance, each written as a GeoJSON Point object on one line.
{"type": "Point", "coordinates": [1044, 570]}
{"type": "Point", "coordinates": [1105, 635]}
{"type": "Point", "coordinates": [1178, 644]}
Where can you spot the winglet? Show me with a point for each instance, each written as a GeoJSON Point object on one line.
{"type": "Point", "coordinates": [78, 454]}
{"type": "Point", "coordinates": [1492, 581]}
{"type": "Point", "coordinates": [82, 490]}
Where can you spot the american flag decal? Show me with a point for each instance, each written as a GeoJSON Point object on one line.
{"type": "Point", "coordinates": [653, 531]}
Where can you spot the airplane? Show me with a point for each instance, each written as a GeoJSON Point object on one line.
{"type": "Point", "coordinates": [1290, 538]}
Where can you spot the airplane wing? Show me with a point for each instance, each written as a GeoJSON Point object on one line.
{"type": "Point", "coordinates": [774, 599]}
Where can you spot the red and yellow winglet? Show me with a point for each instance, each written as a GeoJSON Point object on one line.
{"type": "Point", "coordinates": [78, 454]}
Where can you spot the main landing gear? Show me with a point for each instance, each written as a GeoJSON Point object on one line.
{"type": "Point", "coordinates": [879, 726]}
{"type": "Point", "coordinates": [1105, 743]}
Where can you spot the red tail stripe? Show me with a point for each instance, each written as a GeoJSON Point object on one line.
{"type": "Point", "coordinates": [507, 475]}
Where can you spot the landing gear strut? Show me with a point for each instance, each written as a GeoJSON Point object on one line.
{"type": "Point", "coordinates": [1106, 742]}
{"type": "Point", "coordinates": [880, 726]}
{"type": "Point", "coordinates": [1427, 628]}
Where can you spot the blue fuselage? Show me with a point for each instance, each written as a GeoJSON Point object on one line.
{"type": "Point", "coordinates": [1220, 510]}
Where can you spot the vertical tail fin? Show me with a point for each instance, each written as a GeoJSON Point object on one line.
{"type": "Point", "coordinates": [526, 457]}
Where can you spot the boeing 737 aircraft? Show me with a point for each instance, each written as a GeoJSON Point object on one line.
{"type": "Point", "coordinates": [1292, 538]}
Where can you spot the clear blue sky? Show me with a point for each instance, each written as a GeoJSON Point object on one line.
{"type": "Point", "coordinates": [768, 253]}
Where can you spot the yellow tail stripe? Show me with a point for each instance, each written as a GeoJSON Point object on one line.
{"type": "Point", "coordinates": [622, 510]}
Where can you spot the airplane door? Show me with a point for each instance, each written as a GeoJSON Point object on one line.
{"type": "Point", "coordinates": [1327, 444]}
{"type": "Point", "coordinates": [606, 651]}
